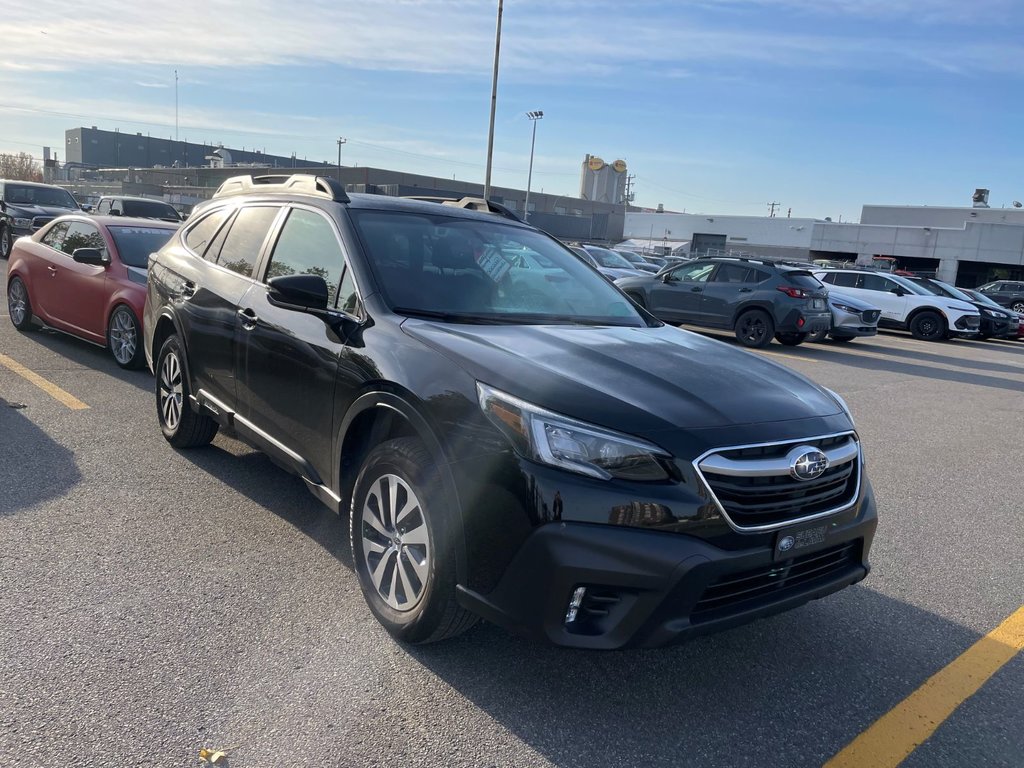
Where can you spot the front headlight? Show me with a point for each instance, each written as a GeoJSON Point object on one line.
{"type": "Point", "coordinates": [991, 313]}
{"type": "Point", "coordinates": [23, 223]}
{"type": "Point", "coordinates": [846, 308]}
{"type": "Point", "coordinates": [562, 442]}
{"type": "Point", "coordinates": [842, 403]}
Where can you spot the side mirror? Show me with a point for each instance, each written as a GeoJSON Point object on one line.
{"type": "Point", "coordinates": [114, 212]}
{"type": "Point", "coordinates": [86, 207]}
{"type": "Point", "coordinates": [667, 277]}
{"type": "Point", "coordinates": [303, 293]}
{"type": "Point", "coordinates": [899, 290]}
{"type": "Point", "coordinates": [93, 256]}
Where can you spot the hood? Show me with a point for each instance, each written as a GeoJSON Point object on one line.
{"type": "Point", "coordinates": [641, 280]}
{"type": "Point", "coordinates": [614, 273]}
{"type": "Point", "coordinates": [24, 210]}
{"type": "Point", "coordinates": [640, 381]}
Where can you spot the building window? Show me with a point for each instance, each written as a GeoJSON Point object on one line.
{"type": "Point", "coordinates": [512, 205]}
{"type": "Point", "coordinates": [560, 210]}
{"type": "Point", "coordinates": [532, 207]}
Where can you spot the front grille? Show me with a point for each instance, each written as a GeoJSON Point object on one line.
{"type": "Point", "coordinates": [755, 489]}
{"type": "Point", "coordinates": [776, 582]}
{"type": "Point", "coordinates": [41, 221]}
{"type": "Point", "coordinates": [871, 315]}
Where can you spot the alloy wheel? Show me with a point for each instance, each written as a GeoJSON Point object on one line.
{"type": "Point", "coordinates": [170, 390]}
{"type": "Point", "coordinates": [395, 542]}
{"type": "Point", "coordinates": [5, 242]}
{"type": "Point", "coordinates": [123, 336]}
{"type": "Point", "coordinates": [753, 329]}
{"type": "Point", "coordinates": [1018, 307]}
{"type": "Point", "coordinates": [16, 304]}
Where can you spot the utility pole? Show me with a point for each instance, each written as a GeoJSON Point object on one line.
{"type": "Point", "coordinates": [630, 178]}
{"type": "Point", "coordinates": [175, 105]}
{"type": "Point", "coordinates": [771, 209]}
{"type": "Point", "coordinates": [340, 142]}
{"type": "Point", "coordinates": [494, 104]}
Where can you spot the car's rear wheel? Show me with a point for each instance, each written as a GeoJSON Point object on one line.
{"type": "Point", "coordinates": [791, 339]}
{"type": "Point", "coordinates": [5, 242]}
{"type": "Point", "coordinates": [18, 305]}
{"type": "Point", "coordinates": [842, 339]}
{"type": "Point", "coordinates": [182, 427]}
{"type": "Point", "coordinates": [403, 536]}
{"type": "Point", "coordinates": [123, 338]}
{"type": "Point", "coordinates": [816, 336]}
{"type": "Point", "coordinates": [928, 326]}
{"type": "Point", "coordinates": [754, 328]}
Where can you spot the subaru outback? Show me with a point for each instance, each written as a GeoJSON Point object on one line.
{"type": "Point", "coordinates": [564, 465]}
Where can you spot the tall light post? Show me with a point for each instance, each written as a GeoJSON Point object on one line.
{"type": "Point", "coordinates": [534, 117]}
{"type": "Point", "coordinates": [341, 141]}
{"type": "Point", "coordinates": [494, 103]}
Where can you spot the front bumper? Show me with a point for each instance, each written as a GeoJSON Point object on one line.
{"type": "Point", "coordinates": [650, 588]}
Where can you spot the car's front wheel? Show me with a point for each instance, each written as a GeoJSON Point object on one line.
{"type": "Point", "coordinates": [791, 339]}
{"type": "Point", "coordinates": [816, 336]}
{"type": "Point", "coordinates": [182, 427]}
{"type": "Point", "coordinates": [754, 328]}
{"type": "Point", "coordinates": [123, 338]}
{"type": "Point", "coordinates": [18, 305]}
{"type": "Point", "coordinates": [1018, 307]}
{"type": "Point", "coordinates": [928, 326]}
{"type": "Point", "coordinates": [403, 536]}
{"type": "Point", "coordinates": [5, 242]}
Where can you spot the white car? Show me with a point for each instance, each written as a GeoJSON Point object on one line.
{"type": "Point", "coordinates": [905, 305]}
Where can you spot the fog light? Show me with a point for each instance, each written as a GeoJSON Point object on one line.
{"type": "Point", "coordinates": [574, 604]}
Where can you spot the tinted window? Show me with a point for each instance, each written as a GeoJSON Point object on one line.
{"type": "Point", "coordinates": [82, 235]}
{"type": "Point", "coordinates": [151, 209]}
{"type": "Point", "coordinates": [694, 273]}
{"type": "Point", "coordinates": [453, 268]}
{"type": "Point", "coordinates": [134, 244]}
{"type": "Point", "coordinates": [876, 283]}
{"type": "Point", "coordinates": [734, 273]}
{"type": "Point", "coordinates": [308, 246]}
{"type": "Point", "coordinates": [242, 245]}
{"type": "Point", "coordinates": [844, 279]}
{"type": "Point", "coordinates": [55, 236]}
{"type": "Point", "coordinates": [25, 195]}
{"type": "Point", "coordinates": [199, 235]}
{"type": "Point", "coordinates": [348, 299]}
{"type": "Point", "coordinates": [801, 279]}
{"type": "Point", "coordinates": [1015, 287]}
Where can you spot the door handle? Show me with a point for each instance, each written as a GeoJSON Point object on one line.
{"type": "Point", "coordinates": [249, 318]}
{"type": "Point", "coordinates": [746, 290]}
{"type": "Point", "coordinates": [53, 271]}
{"type": "Point", "coordinates": [188, 289]}
{"type": "Point", "coordinates": [698, 289]}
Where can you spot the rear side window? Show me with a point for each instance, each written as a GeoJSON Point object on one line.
{"type": "Point", "coordinates": [308, 246]}
{"type": "Point", "coordinates": [103, 208]}
{"type": "Point", "coordinates": [55, 237]}
{"type": "Point", "coordinates": [802, 279]}
{"type": "Point", "coordinates": [241, 248]}
{"type": "Point", "coordinates": [844, 279]}
{"type": "Point", "coordinates": [733, 273]}
{"type": "Point", "coordinates": [200, 234]}
{"type": "Point", "coordinates": [876, 283]}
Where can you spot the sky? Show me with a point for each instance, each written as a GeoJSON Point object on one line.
{"type": "Point", "coordinates": [717, 106]}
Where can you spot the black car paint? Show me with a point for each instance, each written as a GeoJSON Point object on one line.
{"type": "Point", "coordinates": [305, 389]}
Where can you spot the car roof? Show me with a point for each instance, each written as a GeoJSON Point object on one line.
{"type": "Point", "coordinates": [119, 221]}
{"type": "Point", "coordinates": [30, 183]}
{"type": "Point", "coordinates": [135, 198]}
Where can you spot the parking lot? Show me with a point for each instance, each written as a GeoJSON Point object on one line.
{"type": "Point", "coordinates": [156, 602]}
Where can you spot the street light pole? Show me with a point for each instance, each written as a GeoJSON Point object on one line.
{"type": "Point", "coordinates": [494, 103]}
{"type": "Point", "coordinates": [340, 142]}
{"type": "Point", "coordinates": [534, 117]}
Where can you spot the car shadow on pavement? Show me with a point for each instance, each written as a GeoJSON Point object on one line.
{"type": "Point", "coordinates": [1011, 366]}
{"type": "Point", "coordinates": [791, 690]}
{"type": "Point", "coordinates": [33, 467]}
{"type": "Point", "coordinates": [91, 357]}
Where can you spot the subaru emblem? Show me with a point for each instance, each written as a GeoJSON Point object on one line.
{"type": "Point", "coordinates": [786, 543]}
{"type": "Point", "coordinates": [807, 463]}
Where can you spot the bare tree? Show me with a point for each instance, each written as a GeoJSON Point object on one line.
{"type": "Point", "coordinates": [20, 167]}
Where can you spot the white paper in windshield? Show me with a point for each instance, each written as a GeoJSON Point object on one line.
{"type": "Point", "coordinates": [493, 264]}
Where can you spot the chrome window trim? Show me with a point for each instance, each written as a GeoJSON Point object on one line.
{"type": "Point", "coordinates": [858, 457]}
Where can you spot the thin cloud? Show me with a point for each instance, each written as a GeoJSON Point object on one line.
{"type": "Point", "coordinates": [142, 84]}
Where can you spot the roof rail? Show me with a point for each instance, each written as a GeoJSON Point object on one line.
{"type": "Point", "coordinates": [470, 203]}
{"type": "Point", "coordinates": [298, 183]}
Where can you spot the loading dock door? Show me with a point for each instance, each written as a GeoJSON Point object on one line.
{"type": "Point", "coordinates": [702, 244]}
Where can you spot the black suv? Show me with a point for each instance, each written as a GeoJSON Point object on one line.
{"type": "Point", "coordinates": [138, 207]}
{"type": "Point", "coordinates": [541, 453]}
{"type": "Point", "coordinates": [26, 206]}
{"type": "Point", "coordinates": [756, 299]}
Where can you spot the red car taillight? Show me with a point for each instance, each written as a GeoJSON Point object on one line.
{"type": "Point", "coordinates": [793, 293]}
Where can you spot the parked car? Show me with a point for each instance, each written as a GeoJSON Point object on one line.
{"type": "Point", "coordinates": [906, 305]}
{"type": "Point", "coordinates": [985, 304]}
{"type": "Point", "coordinates": [610, 274]}
{"type": "Point", "coordinates": [851, 319]}
{"type": "Point", "coordinates": [995, 321]}
{"type": "Point", "coordinates": [611, 263]}
{"type": "Point", "coordinates": [86, 276]}
{"type": "Point", "coordinates": [580, 473]}
{"type": "Point", "coordinates": [1006, 293]}
{"type": "Point", "coordinates": [758, 300]}
{"type": "Point", "coordinates": [26, 206]}
{"type": "Point", "coordinates": [636, 261]}
{"type": "Point", "coordinates": [139, 207]}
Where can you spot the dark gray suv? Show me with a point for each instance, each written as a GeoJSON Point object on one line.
{"type": "Point", "coordinates": [758, 300]}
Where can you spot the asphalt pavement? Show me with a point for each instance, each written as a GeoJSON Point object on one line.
{"type": "Point", "coordinates": [155, 602]}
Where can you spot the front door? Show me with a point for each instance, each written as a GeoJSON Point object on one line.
{"type": "Point", "coordinates": [78, 292]}
{"type": "Point", "coordinates": [676, 296]}
{"type": "Point", "coordinates": [881, 291]}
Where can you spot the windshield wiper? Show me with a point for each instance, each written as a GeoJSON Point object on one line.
{"type": "Point", "coordinates": [455, 317]}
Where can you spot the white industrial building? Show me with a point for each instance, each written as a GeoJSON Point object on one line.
{"type": "Point", "coordinates": [968, 246]}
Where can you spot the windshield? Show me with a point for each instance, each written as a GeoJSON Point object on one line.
{"type": "Point", "coordinates": [607, 258]}
{"type": "Point", "coordinates": [149, 209]}
{"type": "Point", "coordinates": [584, 255]}
{"type": "Point", "coordinates": [457, 270]}
{"type": "Point", "coordinates": [18, 194]}
{"type": "Point", "coordinates": [134, 244]}
{"type": "Point", "coordinates": [635, 258]}
{"type": "Point", "coordinates": [912, 286]}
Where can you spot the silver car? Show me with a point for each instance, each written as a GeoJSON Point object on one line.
{"type": "Point", "coordinates": [851, 318]}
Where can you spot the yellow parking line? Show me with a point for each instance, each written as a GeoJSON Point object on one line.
{"type": "Point", "coordinates": [48, 387]}
{"type": "Point", "coordinates": [896, 734]}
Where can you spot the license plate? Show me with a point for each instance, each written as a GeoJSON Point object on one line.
{"type": "Point", "coordinates": [817, 304]}
{"type": "Point", "coordinates": [789, 543]}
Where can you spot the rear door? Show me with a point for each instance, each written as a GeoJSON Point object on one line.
{"type": "Point", "coordinates": [676, 296]}
{"type": "Point", "coordinates": [731, 284]}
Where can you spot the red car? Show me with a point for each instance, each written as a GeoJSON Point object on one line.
{"type": "Point", "coordinates": [86, 275]}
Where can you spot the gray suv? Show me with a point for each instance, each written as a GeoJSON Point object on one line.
{"type": "Point", "coordinates": [759, 300]}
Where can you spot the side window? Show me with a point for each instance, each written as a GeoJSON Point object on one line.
{"type": "Point", "coordinates": [82, 235]}
{"type": "Point", "coordinates": [844, 279]}
{"type": "Point", "coordinates": [55, 237]}
{"type": "Point", "coordinates": [308, 246]}
{"type": "Point", "coordinates": [103, 208]}
{"type": "Point", "coordinates": [242, 245]}
{"type": "Point", "coordinates": [871, 282]}
{"type": "Point", "coordinates": [200, 235]}
{"type": "Point", "coordinates": [348, 299]}
{"type": "Point", "coordinates": [733, 273]}
{"type": "Point", "coordinates": [695, 273]}
{"type": "Point", "coordinates": [756, 276]}
{"type": "Point", "coordinates": [829, 278]}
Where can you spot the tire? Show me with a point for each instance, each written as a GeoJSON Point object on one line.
{"type": "Point", "coordinates": [816, 337]}
{"type": "Point", "coordinates": [19, 307]}
{"type": "Point", "coordinates": [124, 339]}
{"type": "Point", "coordinates": [406, 568]}
{"type": "Point", "coordinates": [1018, 307]}
{"type": "Point", "coordinates": [791, 339]}
{"type": "Point", "coordinates": [755, 329]}
{"type": "Point", "coordinates": [182, 427]}
{"type": "Point", "coordinates": [6, 242]}
{"type": "Point", "coordinates": [928, 326]}
{"type": "Point", "coordinates": [842, 339]}
{"type": "Point", "coordinates": [984, 336]}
